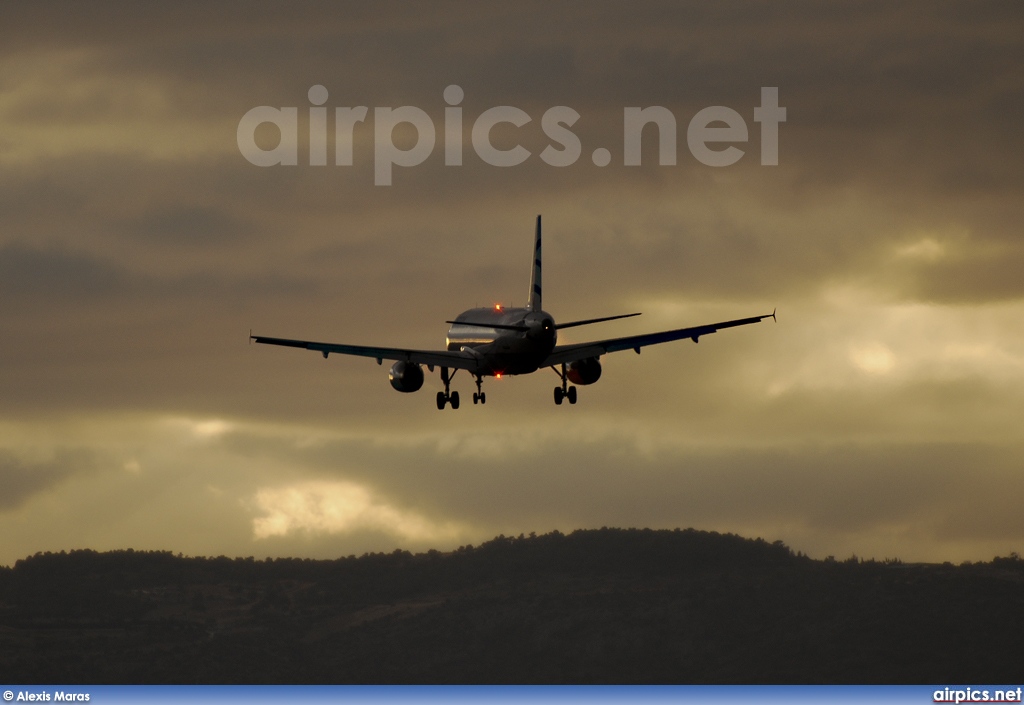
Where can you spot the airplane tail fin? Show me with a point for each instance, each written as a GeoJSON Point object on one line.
{"type": "Point", "coordinates": [534, 298]}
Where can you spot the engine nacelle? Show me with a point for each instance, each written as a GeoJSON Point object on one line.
{"type": "Point", "coordinates": [406, 376]}
{"type": "Point", "coordinates": [585, 371]}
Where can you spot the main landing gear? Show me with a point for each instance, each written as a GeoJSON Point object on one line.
{"type": "Point", "coordinates": [447, 396]}
{"type": "Point", "coordinates": [565, 391]}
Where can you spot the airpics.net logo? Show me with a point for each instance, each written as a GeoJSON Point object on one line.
{"type": "Point", "coordinates": [711, 134]}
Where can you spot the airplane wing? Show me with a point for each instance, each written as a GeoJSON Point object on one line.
{"type": "Point", "coordinates": [571, 353]}
{"type": "Point", "coordinates": [441, 358]}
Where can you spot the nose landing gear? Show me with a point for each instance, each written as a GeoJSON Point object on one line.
{"type": "Point", "coordinates": [449, 397]}
{"type": "Point", "coordinates": [478, 396]}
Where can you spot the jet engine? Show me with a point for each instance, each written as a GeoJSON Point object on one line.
{"type": "Point", "coordinates": [586, 371]}
{"type": "Point", "coordinates": [406, 376]}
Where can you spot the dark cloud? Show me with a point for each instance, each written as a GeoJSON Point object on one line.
{"type": "Point", "coordinates": [35, 277]}
{"type": "Point", "coordinates": [989, 273]}
{"type": "Point", "coordinates": [190, 226]}
{"type": "Point", "coordinates": [22, 479]}
{"type": "Point", "coordinates": [137, 248]}
{"type": "Point", "coordinates": [31, 273]}
{"type": "Point", "coordinates": [830, 488]}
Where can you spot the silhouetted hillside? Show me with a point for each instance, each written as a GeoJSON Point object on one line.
{"type": "Point", "coordinates": [602, 606]}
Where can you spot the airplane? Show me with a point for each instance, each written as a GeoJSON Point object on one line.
{"type": "Point", "coordinates": [498, 341]}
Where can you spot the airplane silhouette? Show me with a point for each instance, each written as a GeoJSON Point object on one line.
{"type": "Point", "coordinates": [499, 341]}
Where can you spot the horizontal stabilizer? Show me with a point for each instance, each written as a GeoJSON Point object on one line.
{"type": "Point", "coordinates": [502, 326]}
{"type": "Point", "coordinates": [573, 324]}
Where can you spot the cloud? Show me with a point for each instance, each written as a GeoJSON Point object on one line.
{"type": "Point", "coordinates": [339, 508]}
{"type": "Point", "coordinates": [823, 496]}
{"type": "Point", "coordinates": [229, 486]}
{"type": "Point", "coordinates": [873, 358]}
{"type": "Point", "coordinates": [138, 247]}
{"type": "Point", "coordinates": [22, 479]}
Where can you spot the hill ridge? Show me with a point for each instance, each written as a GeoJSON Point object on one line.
{"type": "Point", "coordinates": [593, 606]}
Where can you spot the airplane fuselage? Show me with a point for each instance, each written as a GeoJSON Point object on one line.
{"type": "Point", "coordinates": [509, 341]}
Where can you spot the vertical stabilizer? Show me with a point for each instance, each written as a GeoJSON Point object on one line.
{"type": "Point", "coordinates": [534, 300]}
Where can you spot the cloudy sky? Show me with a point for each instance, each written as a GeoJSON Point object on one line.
{"type": "Point", "coordinates": [880, 416]}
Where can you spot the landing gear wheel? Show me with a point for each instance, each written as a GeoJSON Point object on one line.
{"type": "Point", "coordinates": [447, 397]}
{"type": "Point", "coordinates": [564, 391]}
{"type": "Point", "coordinates": [478, 395]}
